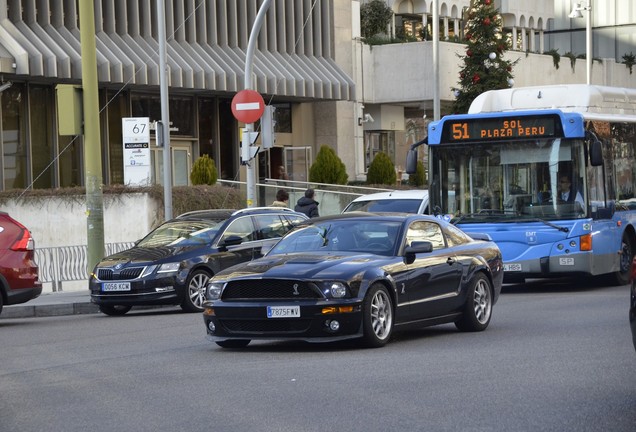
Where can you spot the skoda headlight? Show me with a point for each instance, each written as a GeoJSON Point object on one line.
{"type": "Point", "coordinates": [169, 267]}
{"type": "Point", "coordinates": [214, 290]}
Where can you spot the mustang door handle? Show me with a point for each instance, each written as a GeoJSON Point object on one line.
{"type": "Point", "coordinates": [450, 261]}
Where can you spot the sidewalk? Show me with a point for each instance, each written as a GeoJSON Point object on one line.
{"type": "Point", "coordinates": [52, 304]}
{"type": "Point", "coordinates": [59, 304]}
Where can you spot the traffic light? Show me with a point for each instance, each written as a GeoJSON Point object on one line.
{"type": "Point", "coordinates": [268, 137]}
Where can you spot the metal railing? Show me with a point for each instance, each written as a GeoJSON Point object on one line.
{"type": "Point", "coordinates": [68, 263]}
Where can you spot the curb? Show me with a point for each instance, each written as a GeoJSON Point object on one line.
{"type": "Point", "coordinates": [48, 310]}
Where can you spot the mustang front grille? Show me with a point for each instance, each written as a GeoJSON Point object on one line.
{"type": "Point", "coordinates": [266, 289]}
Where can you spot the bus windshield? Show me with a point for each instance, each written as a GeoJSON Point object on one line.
{"type": "Point", "coordinates": [510, 180]}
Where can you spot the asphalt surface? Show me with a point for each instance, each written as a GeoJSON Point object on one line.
{"type": "Point", "coordinates": [56, 304]}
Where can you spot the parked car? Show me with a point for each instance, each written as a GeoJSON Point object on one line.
{"type": "Point", "coordinates": [19, 274]}
{"type": "Point", "coordinates": [397, 201]}
{"type": "Point", "coordinates": [173, 263]}
{"type": "Point", "coordinates": [357, 276]}
{"type": "Point", "coordinates": [632, 304]}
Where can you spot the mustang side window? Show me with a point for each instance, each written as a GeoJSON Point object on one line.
{"type": "Point", "coordinates": [426, 231]}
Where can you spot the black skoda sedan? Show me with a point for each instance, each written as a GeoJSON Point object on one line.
{"type": "Point", "coordinates": [357, 276]}
{"type": "Point", "coordinates": [172, 264]}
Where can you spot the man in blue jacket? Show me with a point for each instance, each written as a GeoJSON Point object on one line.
{"type": "Point", "coordinates": [307, 204]}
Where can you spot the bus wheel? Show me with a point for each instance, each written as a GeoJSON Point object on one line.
{"type": "Point", "coordinates": [623, 275]}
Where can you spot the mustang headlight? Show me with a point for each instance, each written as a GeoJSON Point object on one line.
{"type": "Point", "coordinates": [214, 290]}
{"type": "Point", "coordinates": [337, 290]}
{"type": "Point", "coordinates": [169, 267]}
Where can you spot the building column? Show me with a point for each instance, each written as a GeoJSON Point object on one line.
{"type": "Point", "coordinates": [514, 38]}
{"type": "Point", "coordinates": [532, 43]}
{"type": "Point", "coordinates": [541, 42]}
{"type": "Point", "coordinates": [456, 28]}
{"type": "Point", "coordinates": [445, 28]}
{"type": "Point", "coordinates": [524, 40]}
{"type": "Point", "coordinates": [425, 23]}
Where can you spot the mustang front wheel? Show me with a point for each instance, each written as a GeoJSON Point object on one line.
{"type": "Point", "coordinates": [478, 306]}
{"type": "Point", "coordinates": [377, 310]}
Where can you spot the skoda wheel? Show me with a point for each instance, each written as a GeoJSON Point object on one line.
{"type": "Point", "coordinates": [195, 291]}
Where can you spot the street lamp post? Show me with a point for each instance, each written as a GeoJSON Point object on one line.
{"type": "Point", "coordinates": [576, 13]}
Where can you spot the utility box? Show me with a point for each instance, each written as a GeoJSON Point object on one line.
{"type": "Point", "coordinates": [69, 109]}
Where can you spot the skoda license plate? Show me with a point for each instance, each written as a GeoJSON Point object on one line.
{"type": "Point", "coordinates": [116, 286]}
{"type": "Point", "coordinates": [512, 267]}
{"type": "Point", "coordinates": [283, 311]}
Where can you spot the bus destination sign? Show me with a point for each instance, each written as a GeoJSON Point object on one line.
{"type": "Point", "coordinates": [501, 128]}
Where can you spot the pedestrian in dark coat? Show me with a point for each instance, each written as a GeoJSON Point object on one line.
{"type": "Point", "coordinates": [307, 204]}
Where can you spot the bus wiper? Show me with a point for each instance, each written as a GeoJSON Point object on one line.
{"type": "Point", "coordinates": [484, 213]}
{"type": "Point", "coordinates": [550, 224]}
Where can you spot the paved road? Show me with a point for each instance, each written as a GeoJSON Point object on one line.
{"type": "Point", "coordinates": [556, 358]}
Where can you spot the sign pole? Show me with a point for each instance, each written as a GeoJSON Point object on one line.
{"type": "Point", "coordinates": [251, 45]}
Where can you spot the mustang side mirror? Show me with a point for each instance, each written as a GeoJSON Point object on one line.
{"type": "Point", "coordinates": [415, 248]}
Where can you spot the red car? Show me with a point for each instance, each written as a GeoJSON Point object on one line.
{"type": "Point", "coordinates": [632, 304]}
{"type": "Point", "coordinates": [19, 281]}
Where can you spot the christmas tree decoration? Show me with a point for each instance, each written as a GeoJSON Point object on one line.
{"type": "Point", "coordinates": [484, 67]}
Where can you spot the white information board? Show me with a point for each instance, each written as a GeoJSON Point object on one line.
{"type": "Point", "coordinates": [136, 142]}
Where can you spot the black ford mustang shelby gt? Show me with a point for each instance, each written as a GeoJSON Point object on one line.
{"type": "Point", "coordinates": [357, 276]}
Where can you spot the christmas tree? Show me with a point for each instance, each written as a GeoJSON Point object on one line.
{"type": "Point", "coordinates": [484, 66]}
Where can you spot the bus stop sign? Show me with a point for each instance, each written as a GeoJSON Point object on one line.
{"type": "Point", "coordinates": [248, 106]}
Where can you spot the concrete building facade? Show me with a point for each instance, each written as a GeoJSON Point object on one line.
{"type": "Point", "coordinates": [329, 87]}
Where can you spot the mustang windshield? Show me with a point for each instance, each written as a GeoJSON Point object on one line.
{"type": "Point", "coordinates": [370, 236]}
{"type": "Point", "coordinates": [535, 179]}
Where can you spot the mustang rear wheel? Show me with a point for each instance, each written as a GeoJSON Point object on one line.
{"type": "Point", "coordinates": [116, 310]}
{"type": "Point", "coordinates": [377, 315]}
{"type": "Point", "coordinates": [195, 291]}
{"type": "Point", "coordinates": [234, 343]}
{"type": "Point", "coordinates": [478, 306]}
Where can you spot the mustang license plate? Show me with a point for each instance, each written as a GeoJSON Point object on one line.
{"type": "Point", "coordinates": [116, 286]}
{"type": "Point", "coordinates": [512, 267]}
{"type": "Point", "coordinates": [283, 311]}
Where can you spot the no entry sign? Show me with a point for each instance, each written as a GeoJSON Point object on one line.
{"type": "Point", "coordinates": [248, 106]}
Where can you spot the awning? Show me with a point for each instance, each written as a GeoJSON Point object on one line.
{"type": "Point", "coordinates": [133, 60]}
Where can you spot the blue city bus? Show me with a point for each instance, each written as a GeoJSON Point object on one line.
{"type": "Point", "coordinates": [549, 172]}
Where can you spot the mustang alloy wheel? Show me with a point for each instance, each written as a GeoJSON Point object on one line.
{"type": "Point", "coordinates": [478, 306]}
{"type": "Point", "coordinates": [195, 291]}
{"type": "Point", "coordinates": [116, 310]}
{"type": "Point", "coordinates": [377, 310]}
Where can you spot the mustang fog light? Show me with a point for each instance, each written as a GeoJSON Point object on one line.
{"type": "Point", "coordinates": [338, 290]}
{"type": "Point", "coordinates": [211, 326]}
{"type": "Point", "coordinates": [334, 325]}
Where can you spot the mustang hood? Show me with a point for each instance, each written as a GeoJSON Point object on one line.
{"type": "Point", "coordinates": [302, 266]}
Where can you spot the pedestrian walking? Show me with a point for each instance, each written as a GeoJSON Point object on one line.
{"type": "Point", "coordinates": [282, 199]}
{"type": "Point", "coordinates": [307, 204]}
